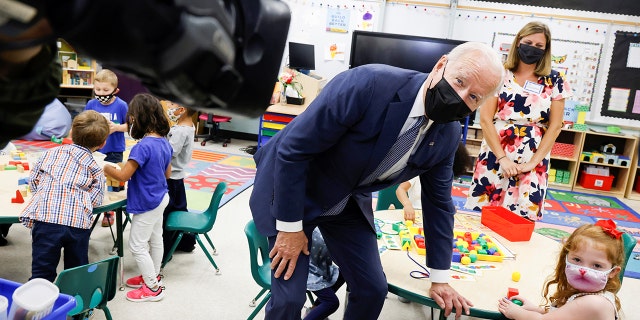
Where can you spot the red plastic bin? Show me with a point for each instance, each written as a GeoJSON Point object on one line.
{"type": "Point", "coordinates": [506, 223]}
{"type": "Point", "coordinates": [591, 181]}
{"type": "Point", "coordinates": [61, 306]}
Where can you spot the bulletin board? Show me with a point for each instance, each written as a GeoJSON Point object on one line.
{"type": "Point", "coordinates": [578, 60]}
{"type": "Point", "coordinates": [622, 90]}
{"type": "Point", "coordinates": [328, 25]}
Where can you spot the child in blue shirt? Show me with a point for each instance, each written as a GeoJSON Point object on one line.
{"type": "Point", "coordinates": [147, 170]}
{"type": "Point", "coordinates": [105, 88]}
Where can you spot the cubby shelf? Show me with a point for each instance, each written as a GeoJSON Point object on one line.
{"type": "Point", "coordinates": [585, 141]}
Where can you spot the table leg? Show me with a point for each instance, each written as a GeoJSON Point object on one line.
{"type": "Point", "coordinates": [119, 244]}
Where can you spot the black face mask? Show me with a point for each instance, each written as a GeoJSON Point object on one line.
{"type": "Point", "coordinates": [105, 98]}
{"type": "Point", "coordinates": [443, 104]}
{"type": "Point", "coordinates": [530, 54]}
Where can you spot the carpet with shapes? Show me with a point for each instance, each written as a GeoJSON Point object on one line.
{"type": "Point", "coordinates": [567, 210]}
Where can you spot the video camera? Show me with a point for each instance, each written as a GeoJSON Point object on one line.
{"type": "Point", "coordinates": [200, 53]}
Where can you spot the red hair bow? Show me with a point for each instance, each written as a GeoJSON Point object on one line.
{"type": "Point", "coordinates": [609, 227]}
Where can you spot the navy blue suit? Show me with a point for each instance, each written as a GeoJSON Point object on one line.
{"type": "Point", "coordinates": [324, 154]}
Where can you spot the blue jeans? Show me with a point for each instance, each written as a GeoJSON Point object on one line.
{"type": "Point", "coordinates": [114, 157]}
{"type": "Point", "coordinates": [48, 239]}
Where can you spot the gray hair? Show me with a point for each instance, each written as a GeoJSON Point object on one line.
{"type": "Point", "coordinates": [484, 58]}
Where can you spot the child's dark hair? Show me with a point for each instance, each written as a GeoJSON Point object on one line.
{"type": "Point", "coordinates": [89, 129]}
{"type": "Point", "coordinates": [146, 115]}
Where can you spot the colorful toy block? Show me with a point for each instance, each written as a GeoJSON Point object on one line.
{"type": "Point", "coordinates": [22, 181]}
{"type": "Point", "coordinates": [623, 161]}
{"type": "Point", "coordinates": [18, 198]}
{"type": "Point", "coordinates": [610, 158]}
{"type": "Point", "coordinates": [608, 148]}
{"type": "Point", "coordinates": [512, 292]}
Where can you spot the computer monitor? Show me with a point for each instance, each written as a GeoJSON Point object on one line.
{"type": "Point", "coordinates": [408, 52]}
{"type": "Point", "coordinates": [301, 56]}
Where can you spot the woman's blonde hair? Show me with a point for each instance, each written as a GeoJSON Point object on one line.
{"type": "Point", "coordinates": [588, 233]}
{"type": "Point", "coordinates": [543, 67]}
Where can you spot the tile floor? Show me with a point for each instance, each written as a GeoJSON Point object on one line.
{"type": "Point", "coordinates": [194, 291]}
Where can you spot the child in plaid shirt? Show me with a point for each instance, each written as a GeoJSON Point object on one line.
{"type": "Point", "coordinates": [67, 183]}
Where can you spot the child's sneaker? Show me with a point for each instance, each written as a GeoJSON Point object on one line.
{"type": "Point", "coordinates": [137, 282]}
{"type": "Point", "coordinates": [145, 294]}
{"type": "Point", "coordinates": [107, 220]}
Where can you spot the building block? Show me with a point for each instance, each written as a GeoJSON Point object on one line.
{"type": "Point", "coordinates": [608, 148]}
{"type": "Point", "coordinates": [22, 181]}
{"type": "Point", "coordinates": [610, 158]}
{"type": "Point", "coordinates": [623, 161]}
{"type": "Point", "coordinates": [512, 292]}
{"type": "Point", "coordinates": [18, 198]}
{"type": "Point", "coordinates": [597, 157]}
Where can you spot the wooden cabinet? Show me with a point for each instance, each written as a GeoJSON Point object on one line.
{"type": "Point", "coordinates": [625, 146]}
{"type": "Point", "coordinates": [634, 177]}
{"type": "Point", "coordinates": [473, 142]}
{"type": "Point", "coordinates": [566, 158]}
{"type": "Point", "coordinates": [78, 71]}
{"type": "Point", "coordinates": [616, 152]}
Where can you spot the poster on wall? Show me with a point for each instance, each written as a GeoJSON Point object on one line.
{"type": "Point", "coordinates": [338, 20]}
{"type": "Point", "coordinates": [622, 91]}
{"type": "Point", "coordinates": [577, 60]}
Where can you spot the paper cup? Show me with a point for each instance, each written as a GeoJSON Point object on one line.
{"type": "Point", "coordinates": [4, 305]}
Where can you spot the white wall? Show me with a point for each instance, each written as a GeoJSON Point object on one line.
{"type": "Point", "coordinates": [469, 20]}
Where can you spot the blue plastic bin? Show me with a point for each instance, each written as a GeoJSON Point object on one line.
{"type": "Point", "coordinates": [61, 307]}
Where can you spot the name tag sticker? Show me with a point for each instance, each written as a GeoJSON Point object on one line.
{"type": "Point", "coordinates": [533, 87]}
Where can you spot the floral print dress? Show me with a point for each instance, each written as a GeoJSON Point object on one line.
{"type": "Point", "coordinates": [521, 119]}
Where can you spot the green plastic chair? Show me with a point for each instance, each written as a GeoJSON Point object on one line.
{"type": "Point", "coordinates": [196, 223]}
{"type": "Point", "coordinates": [260, 266]}
{"type": "Point", "coordinates": [629, 243]}
{"type": "Point", "coordinates": [92, 285]}
{"type": "Point", "coordinates": [387, 197]}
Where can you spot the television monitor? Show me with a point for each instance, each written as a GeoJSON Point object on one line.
{"type": "Point", "coordinates": [404, 51]}
{"type": "Point", "coordinates": [301, 56]}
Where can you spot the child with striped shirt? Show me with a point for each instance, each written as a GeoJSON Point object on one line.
{"type": "Point", "coordinates": [67, 183]}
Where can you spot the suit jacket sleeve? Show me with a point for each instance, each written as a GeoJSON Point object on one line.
{"type": "Point", "coordinates": [340, 105]}
{"type": "Point", "coordinates": [438, 212]}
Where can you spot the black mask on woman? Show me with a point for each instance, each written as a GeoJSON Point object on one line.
{"type": "Point", "coordinates": [530, 54]}
{"type": "Point", "coordinates": [443, 104]}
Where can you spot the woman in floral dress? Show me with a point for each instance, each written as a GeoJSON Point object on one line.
{"type": "Point", "coordinates": [520, 126]}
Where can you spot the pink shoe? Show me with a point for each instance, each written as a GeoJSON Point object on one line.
{"type": "Point", "coordinates": [145, 294]}
{"type": "Point", "coordinates": [137, 282]}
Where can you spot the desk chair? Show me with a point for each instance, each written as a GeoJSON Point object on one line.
{"type": "Point", "coordinates": [387, 197]}
{"type": "Point", "coordinates": [212, 122]}
{"type": "Point", "coordinates": [260, 266]}
{"type": "Point", "coordinates": [197, 224]}
{"type": "Point", "coordinates": [92, 285]}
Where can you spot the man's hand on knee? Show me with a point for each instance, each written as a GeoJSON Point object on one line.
{"type": "Point", "coordinates": [285, 252]}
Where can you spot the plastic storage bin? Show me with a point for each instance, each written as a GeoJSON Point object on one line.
{"type": "Point", "coordinates": [61, 306]}
{"type": "Point", "coordinates": [506, 223]}
{"type": "Point", "coordinates": [595, 182]}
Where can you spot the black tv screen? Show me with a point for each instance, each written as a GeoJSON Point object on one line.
{"type": "Point", "coordinates": [301, 56]}
{"type": "Point", "coordinates": [403, 51]}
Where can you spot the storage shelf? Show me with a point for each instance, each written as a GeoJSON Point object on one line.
{"type": "Point", "coordinates": [625, 176]}
{"type": "Point", "coordinates": [604, 165]}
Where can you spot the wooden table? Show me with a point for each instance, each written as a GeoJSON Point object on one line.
{"type": "Point", "coordinates": [534, 259]}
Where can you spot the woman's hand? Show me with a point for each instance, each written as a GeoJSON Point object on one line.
{"type": "Point", "coordinates": [508, 167]}
{"type": "Point", "coordinates": [526, 167]}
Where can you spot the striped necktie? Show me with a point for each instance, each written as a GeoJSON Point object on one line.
{"type": "Point", "coordinates": [403, 144]}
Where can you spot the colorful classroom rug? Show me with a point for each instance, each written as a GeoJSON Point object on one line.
{"type": "Point", "coordinates": [205, 170]}
{"type": "Point", "coordinates": [567, 210]}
